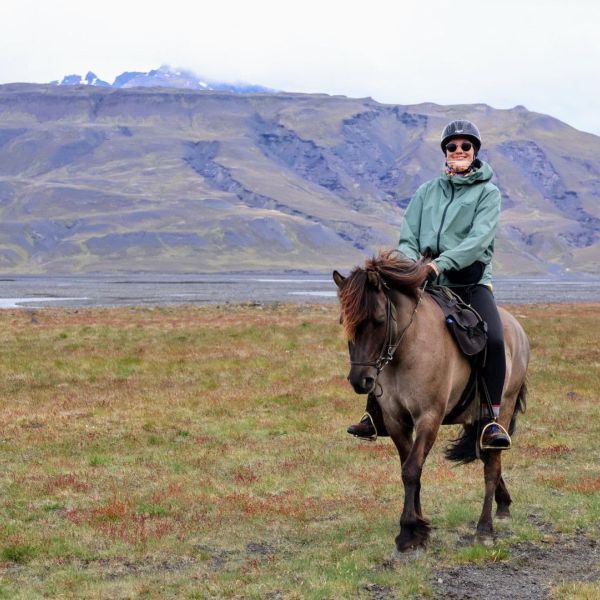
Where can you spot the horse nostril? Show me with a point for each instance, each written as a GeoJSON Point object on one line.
{"type": "Point", "coordinates": [361, 383]}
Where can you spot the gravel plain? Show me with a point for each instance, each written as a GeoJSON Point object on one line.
{"type": "Point", "coordinates": [169, 289]}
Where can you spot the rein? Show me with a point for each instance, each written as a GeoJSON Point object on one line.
{"type": "Point", "coordinates": [389, 347]}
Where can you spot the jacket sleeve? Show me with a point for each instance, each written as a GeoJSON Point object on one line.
{"type": "Point", "coordinates": [411, 227]}
{"type": "Point", "coordinates": [480, 237]}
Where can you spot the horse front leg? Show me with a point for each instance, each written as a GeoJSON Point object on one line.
{"type": "Point", "coordinates": [492, 471]}
{"type": "Point", "coordinates": [401, 433]}
{"type": "Point", "coordinates": [404, 450]}
{"type": "Point", "coordinates": [414, 529]}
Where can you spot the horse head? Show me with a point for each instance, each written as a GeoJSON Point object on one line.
{"type": "Point", "coordinates": [371, 301]}
{"type": "Point", "coordinates": [364, 317]}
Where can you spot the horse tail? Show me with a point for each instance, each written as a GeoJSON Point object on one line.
{"type": "Point", "coordinates": [463, 449]}
{"type": "Point", "coordinates": [520, 407]}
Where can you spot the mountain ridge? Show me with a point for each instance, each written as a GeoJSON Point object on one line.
{"type": "Point", "coordinates": [155, 179]}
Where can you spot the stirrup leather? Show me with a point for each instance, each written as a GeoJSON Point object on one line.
{"type": "Point", "coordinates": [483, 447]}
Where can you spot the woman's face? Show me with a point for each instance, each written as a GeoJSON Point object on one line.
{"type": "Point", "coordinates": [460, 160]}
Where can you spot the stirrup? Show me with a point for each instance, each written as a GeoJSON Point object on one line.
{"type": "Point", "coordinates": [371, 438]}
{"type": "Point", "coordinates": [486, 447]}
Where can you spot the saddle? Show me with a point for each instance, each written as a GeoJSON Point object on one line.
{"type": "Point", "coordinates": [469, 331]}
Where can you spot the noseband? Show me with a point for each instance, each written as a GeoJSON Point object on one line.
{"type": "Point", "coordinates": [389, 346]}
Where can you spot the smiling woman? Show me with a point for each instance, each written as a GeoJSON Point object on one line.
{"type": "Point", "coordinates": [451, 224]}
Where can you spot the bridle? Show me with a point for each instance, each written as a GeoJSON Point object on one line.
{"type": "Point", "coordinates": [389, 346]}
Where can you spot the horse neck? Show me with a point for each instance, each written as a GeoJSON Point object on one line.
{"type": "Point", "coordinates": [427, 328]}
{"type": "Point", "coordinates": [405, 305]}
{"type": "Point", "coordinates": [427, 363]}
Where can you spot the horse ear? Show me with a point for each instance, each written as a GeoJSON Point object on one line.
{"type": "Point", "coordinates": [339, 279]}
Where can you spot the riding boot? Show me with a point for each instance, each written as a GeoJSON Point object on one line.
{"type": "Point", "coordinates": [365, 428]}
{"type": "Point", "coordinates": [493, 435]}
{"type": "Point", "coordinates": [371, 425]}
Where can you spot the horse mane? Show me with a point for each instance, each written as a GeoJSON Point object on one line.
{"type": "Point", "coordinates": [359, 290]}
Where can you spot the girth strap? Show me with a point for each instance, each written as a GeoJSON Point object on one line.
{"type": "Point", "coordinates": [468, 395]}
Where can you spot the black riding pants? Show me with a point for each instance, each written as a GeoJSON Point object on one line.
{"type": "Point", "coordinates": [480, 297]}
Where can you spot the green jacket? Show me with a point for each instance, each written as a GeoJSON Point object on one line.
{"type": "Point", "coordinates": [455, 218]}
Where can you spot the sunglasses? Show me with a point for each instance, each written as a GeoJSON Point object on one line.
{"type": "Point", "coordinates": [452, 147]}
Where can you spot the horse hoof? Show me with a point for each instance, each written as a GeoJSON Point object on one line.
{"type": "Point", "coordinates": [503, 516]}
{"type": "Point", "coordinates": [485, 539]}
{"type": "Point", "coordinates": [407, 555]}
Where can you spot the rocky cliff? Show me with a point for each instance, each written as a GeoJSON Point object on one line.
{"type": "Point", "coordinates": [103, 179]}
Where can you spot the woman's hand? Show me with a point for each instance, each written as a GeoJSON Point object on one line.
{"type": "Point", "coordinates": [434, 272]}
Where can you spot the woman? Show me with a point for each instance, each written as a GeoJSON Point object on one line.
{"type": "Point", "coordinates": [452, 219]}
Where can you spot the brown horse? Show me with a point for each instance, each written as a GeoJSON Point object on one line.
{"type": "Point", "coordinates": [401, 348]}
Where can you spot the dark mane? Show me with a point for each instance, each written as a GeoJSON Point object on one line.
{"type": "Point", "coordinates": [358, 293]}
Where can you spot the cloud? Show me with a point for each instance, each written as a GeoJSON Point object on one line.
{"type": "Point", "coordinates": [503, 53]}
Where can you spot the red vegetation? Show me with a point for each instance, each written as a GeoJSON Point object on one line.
{"type": "Point", "coordinates": [118, 520]}
{"type": "Point", "coordinates": [67, 481]}
{"type": "Point", "coordinates": [556, 451]}
{"type": "Point", "coordinates": [587, 485]}
{"type": "Point", "coordinates": [245, 475]}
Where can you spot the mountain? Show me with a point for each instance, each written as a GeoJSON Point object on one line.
{"type": "Point", "coordinates": [164, 76]}
{"type": "Point", "coordinates": [95, 178]}
{"type": "Point", "coordinates": [89, 79]}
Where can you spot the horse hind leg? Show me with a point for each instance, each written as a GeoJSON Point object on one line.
{"type": "Point", "coordinates": [492, 470]}
{"type": "Point", "coordinates": [503, 500]}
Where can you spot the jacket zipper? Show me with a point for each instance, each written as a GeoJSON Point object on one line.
{"type": "Point", "coordinates": [444, 218]}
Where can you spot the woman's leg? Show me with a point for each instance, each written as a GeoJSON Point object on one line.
{"type": "Point", "coordinates": [494, 371]}
{"type": "Point", "coordinates": [480, 297]}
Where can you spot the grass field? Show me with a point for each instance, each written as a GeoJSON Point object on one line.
{"type": "Point", "coordinates": [201, 452]}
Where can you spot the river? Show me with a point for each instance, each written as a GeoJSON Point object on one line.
{"type": "Point", "coordinates": [169, 289]}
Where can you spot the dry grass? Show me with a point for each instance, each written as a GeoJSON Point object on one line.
{"type": "Point", "coordinates": [200, 452]}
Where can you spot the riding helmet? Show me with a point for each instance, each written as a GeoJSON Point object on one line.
{"type": "Point", "coordinates": [461, 128]}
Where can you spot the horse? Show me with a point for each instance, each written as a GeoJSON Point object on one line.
{"type": "Point", "coordinates": [401, 349]}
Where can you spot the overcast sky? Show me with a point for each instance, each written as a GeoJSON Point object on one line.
{"type": "Point", "coordinates": [544, 54]}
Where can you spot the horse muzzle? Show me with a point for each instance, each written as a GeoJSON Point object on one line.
{"type": "Point", "coordinates": [361, 381]}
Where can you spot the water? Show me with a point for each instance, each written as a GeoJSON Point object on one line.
{"type": "Point", "coordinates": [167, 289]}
{"type": "Point", "coordinates": [20, 302]}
